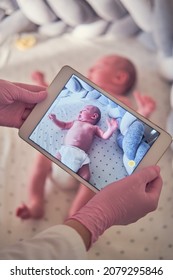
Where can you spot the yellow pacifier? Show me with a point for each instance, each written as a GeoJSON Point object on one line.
{"type": "Point", "coordinates": [131, 163]}
{"type": "Point", "coordinates": [25, 42]}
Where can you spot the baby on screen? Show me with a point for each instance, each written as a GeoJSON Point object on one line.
{"type": "Point", "coordinates": [79, 138]}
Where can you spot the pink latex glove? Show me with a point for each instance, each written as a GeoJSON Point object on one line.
{"type": "Point", "coordinates": [122, 202]}
{"type": "Point", "coordinates": [17, 101]}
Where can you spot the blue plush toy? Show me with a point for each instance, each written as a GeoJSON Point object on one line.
{"type": "Point", "coordinates": [130, 138]}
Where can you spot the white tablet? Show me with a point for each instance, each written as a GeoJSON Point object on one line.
{"type": "Point", "coordinates": [90, 134]}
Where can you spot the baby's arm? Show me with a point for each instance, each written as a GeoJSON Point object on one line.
{"type": "Point", "coordinates": [145, 104]}
{"type": "Point", "coordinates": [112, 126]}
{"type": "Point", "coordinates": [63, 125]}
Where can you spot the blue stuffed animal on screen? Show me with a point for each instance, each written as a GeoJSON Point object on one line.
{"type": "Point", "coordinates": [130, 137]}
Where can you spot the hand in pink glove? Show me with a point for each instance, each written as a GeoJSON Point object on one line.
{"type": "Point", "coordinates": [17, 101]}
{"type": "Point", "coordinates": [122, 202]}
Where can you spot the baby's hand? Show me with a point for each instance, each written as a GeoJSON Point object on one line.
{"type": "Point", "coordinates": [52, 117]}
{"type": "Point", "coordinates": [112, 123]}
{"type": "Point", "coordinates": [146, 104]}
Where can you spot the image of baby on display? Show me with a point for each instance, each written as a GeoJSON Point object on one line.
{"type": "Point", "coordinates": [92, 135]}
{"type": "Point", "coordinates": [79, 138]}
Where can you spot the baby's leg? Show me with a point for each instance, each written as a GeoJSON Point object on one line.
{"type": "Point", "coordinates": [58, 156]}
{"type": "Point", "coordinates": [84, 172]}
{"type": "Point", "coordinates": [39, 174]}
{"type": "Point", "coordinates": [84, 194]}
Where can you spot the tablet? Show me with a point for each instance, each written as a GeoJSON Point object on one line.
{"type": "Point", "coordinates": [90, 134]}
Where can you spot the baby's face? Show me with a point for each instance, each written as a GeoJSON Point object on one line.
{"type": "Point", "coordinates": [87, 114]}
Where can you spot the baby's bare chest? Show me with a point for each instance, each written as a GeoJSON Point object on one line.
{"type": "Point", "coordinates": [83, 127]}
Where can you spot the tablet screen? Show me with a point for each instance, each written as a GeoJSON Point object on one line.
{"type": "Point", "coordinates": [92, 135]}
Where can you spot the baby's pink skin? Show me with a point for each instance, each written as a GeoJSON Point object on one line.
{"type": "Point", "coordinates": [81, 132]}
{"type": "Point", "coordinates": [39, 78]}
{"type": "Point", "coordinates": [39, 173]}
{"type": "Point", "coordinates": [113, 73]}
{"type": "Point", "coordinates": [145, 104]}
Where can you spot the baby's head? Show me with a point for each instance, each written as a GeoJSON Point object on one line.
{"type": "Point", "coordinates": [113, 73]}
{"type": "Point", "coordinates": [90, 114]}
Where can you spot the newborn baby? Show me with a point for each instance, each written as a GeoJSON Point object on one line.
{"type": "Point", "coordinates": [79, 138]}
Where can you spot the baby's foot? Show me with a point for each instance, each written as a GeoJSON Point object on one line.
{"type": "Point", "coordinates": [25, 212]}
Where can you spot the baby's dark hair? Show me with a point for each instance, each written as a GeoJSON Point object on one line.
{"type": "Point", "coordinates": [97, 110]}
